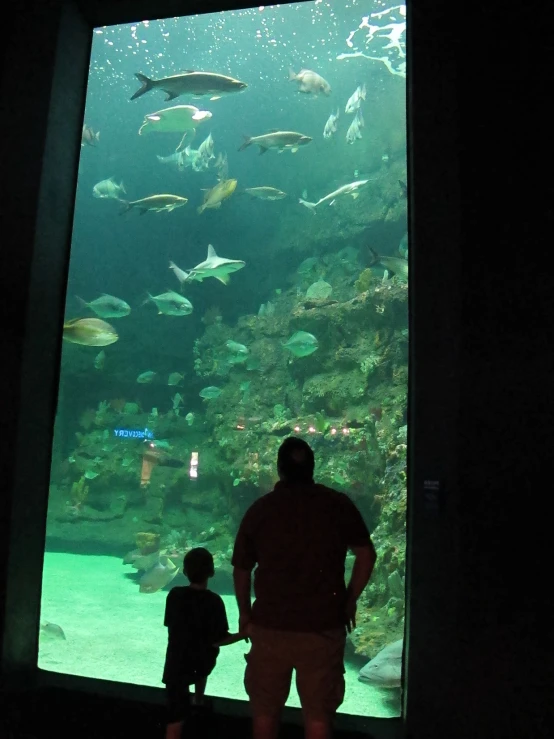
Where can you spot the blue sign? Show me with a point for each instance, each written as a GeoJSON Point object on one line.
{"type": "Point", "coordinates": [134, 433]}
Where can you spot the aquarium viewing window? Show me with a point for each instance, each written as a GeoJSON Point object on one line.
{"type": "Point", "coordinates": [238, 274]}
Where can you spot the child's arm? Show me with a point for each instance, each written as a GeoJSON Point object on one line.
{"type": "Point", "coordinates": [230, 639]}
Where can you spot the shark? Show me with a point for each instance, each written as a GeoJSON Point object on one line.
{"type": "Point", "coordinates": [350, 189]}
{"type": "Point", "coordinates": [212, 266]}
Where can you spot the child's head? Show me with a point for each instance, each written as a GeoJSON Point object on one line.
{"type": "Point", "coordinates": [198, 565]}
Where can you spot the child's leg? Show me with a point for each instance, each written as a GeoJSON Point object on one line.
{"type": "Point", "coordinates": [178, 702]}
{"type": "Point", "coordinates": [199, 690]}
{"type": "Point", "coordinates": [173, 731]}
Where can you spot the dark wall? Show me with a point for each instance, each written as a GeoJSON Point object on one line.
{"type": "Point", "coordinates": [479, 628]}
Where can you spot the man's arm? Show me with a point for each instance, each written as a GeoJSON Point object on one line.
{"type": "Point", "coordinates": [242, 580]}
{"type": "Point", "coordinates": [364, 562]}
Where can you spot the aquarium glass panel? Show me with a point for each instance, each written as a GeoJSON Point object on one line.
{"type": "Point", "coordinates": [238, 275]}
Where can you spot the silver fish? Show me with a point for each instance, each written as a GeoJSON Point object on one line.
{"type": "Point", "coordinates": [89, 137]}
{"type": "Point", "coordinates": [171, 304]}
{"type": "Point", "coordinates": [154, 203]}
{"type": "Point", "coordinates": [146, 377]}
{"type": "Point", "coordinates": [354, 131]}
{"type": "Point", "coordinates": [331, 125]}
{"type": "Point", "coordinates": [265, 193]}
{"type": "Point", "coordinates": [204, 154]}
{"type": "Point", "coordinates": [277, 140]}
{"type": "Point", "coordinates": [301, 344]}
{"type": "Point", "coordinates": [109, 189]}
{"type": "Point", "coordinates": [191, 83]}
{"type": "Point", "coordinates": [355, 100]}
{"type": "Point", "coordinates": [177, 159]}
{"type": "Point", "coordinates": [310, 82]}
{"type": "Point", "coordinates": [107, 306]}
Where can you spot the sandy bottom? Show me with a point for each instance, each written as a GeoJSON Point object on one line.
{"type": "Point", "coordinates": [113, 632]}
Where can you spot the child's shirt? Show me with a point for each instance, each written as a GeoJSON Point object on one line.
{"type": "Point", "coordinates": [195, 619]}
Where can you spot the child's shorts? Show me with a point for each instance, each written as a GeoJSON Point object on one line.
{"type": "Point", "coordinates": [178, 702]}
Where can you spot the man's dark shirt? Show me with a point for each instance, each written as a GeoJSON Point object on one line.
{"type": "Point", "coordinates": [299, 536]}
{"type": "Point", "coordinates": [195, 619]}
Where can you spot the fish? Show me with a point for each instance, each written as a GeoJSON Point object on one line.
{"type": "Point", "coordinates": [350, 189]}
{"type": "Point", "coordinates": [301, 344]}
{"type": "Point", "coordinates": [107, 306]}
{"type": "Point", "coordinates": [171, 304]}
{"type": "Point", "coordinates": [204, 154]}
{"type": "Point", "coordinates": [214, 266]}
{"type": "Point", "coordinates": [239, 352]}
{"type": "Point", "coordinates": [89, 332]}
{"type": "Point", "coordinates": [275, 139]}
{"type": "Point", "coordinates": [178, 158]}
{"type": "Point", "coordinates": [355, 100]}
{"type": "Point", "coordinates": [222, 166]}
{"type": "Point", "coordinates": [310, 82]}
{"type": "Point", "coordinates": [131, 556]}
{"type": "Point", "coordinates": [397, 265]}
{"type": "Point", "coordinates": [404, 188]}
{"type": "Point", "coordinates": [216, 195]}
{"type": "Point", "coordinates": [385, 669]}
{"type": "Point", "coordinates": [146, 377]}
{"type": "Point", "coordinates": [192, 158]}
{"type": "Point", "coordinates": [47, 628]}
{"type": "Point", "coordinates": [265, 193]}
{"type": "Point", "coordinates": [158, 576]}
{"type": "Point", "coordinates": [89, 137]}
{"type": "Point", "coordinates": [177, 400]}
{"type": "Point", "coordinates": [108, 189]}
{"type": "Point", "coordinates": [354, 132]}
{"type": "Point", "coordinates": [191, 83]}
{"type": "Point", "coordinates": [331, 125]}
{"type": "Point", "coordinates": [266, 309]}
{"type": "Point", "coordinates": [178, 119]}
{"type": "Point", "coordinates": [182, 159]}
{"type": "Point", "coordinates": [100, 360]}
{"type": "Point", "coordinates": [189, 418]}
{"type": "Point", "coordinates": [235, 347]}
{"type": "Point", "coordinates": [175, 378]}
{"type": "Point", "coordinates": [210, 393]}
{"type": "Point", "coordinates": [319, 290]}
{"type": "Point", "coordinates": [253, 364]}
{"type": "Point", "coordinates": [141, 561]}
{"type": "Point", "coordinates": [154, 203]}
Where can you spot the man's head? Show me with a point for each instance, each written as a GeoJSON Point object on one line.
{"type": "Point", "coordinates": [295, 461]}
{"type": "Point", "coordinates": [198, 565]}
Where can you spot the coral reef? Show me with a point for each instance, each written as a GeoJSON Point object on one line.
{"type": "Point", "coordinates": [363, 283]}
{"type": "Point", "coordinates": [347, 397]}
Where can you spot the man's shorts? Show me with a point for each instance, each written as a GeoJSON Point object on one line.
{"type": "Point", "coordinates": [318, 659]}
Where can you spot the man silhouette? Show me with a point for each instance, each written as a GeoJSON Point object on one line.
{"type": "Point", "coordinates": [298, 535]}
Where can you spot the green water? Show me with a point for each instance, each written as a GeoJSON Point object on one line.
{"type": "Point", "coordinates": [309, 336]}
{"type": "Point", "coordinates": [114, 632]}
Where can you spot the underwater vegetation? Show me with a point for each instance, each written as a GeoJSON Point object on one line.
{"type": "Point", "coordinates": [312, 372]}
